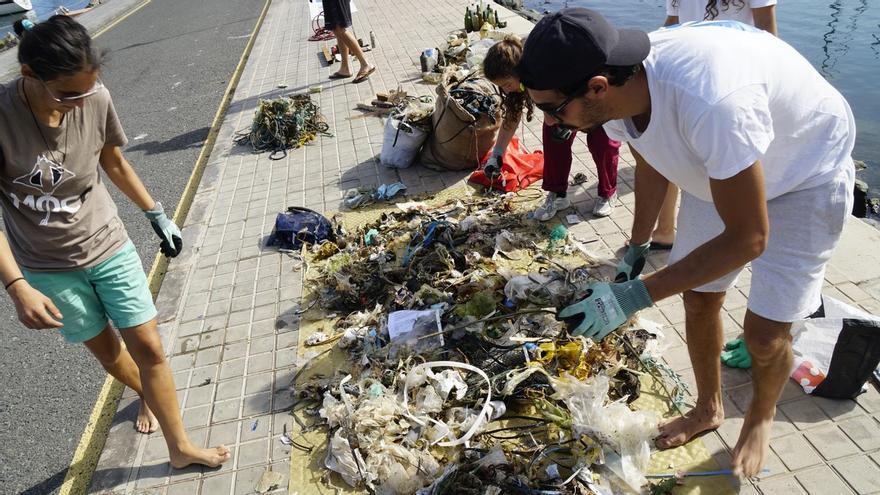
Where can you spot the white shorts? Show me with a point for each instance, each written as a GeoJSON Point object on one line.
{"type": "Point", "coordinates": [804, 229]}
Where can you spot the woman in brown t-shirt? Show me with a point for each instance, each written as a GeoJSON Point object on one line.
{"type": "Point", "coordinates": [67, 263]}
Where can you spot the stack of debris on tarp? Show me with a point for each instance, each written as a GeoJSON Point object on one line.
{"type": "Point", "coordinates": [452, 374]}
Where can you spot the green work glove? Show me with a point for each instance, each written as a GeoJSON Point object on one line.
{"type": "Point", "coordinates": [736, 355]}
{"type": "Point", "coordinates": [606, 307]}
{"type": "Point", "coordinates": [168, 232]}
{"type": "Point", "coordinates": [633, 262]}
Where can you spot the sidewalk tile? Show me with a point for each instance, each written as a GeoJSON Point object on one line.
{"type": "Point", "coordinates": [863, 430]}
{"type": "Point", "coordinates": [822, 481]}
{"type": "Point", "coordinates": [860, 472]}
{"type": "Point", "coordinates": [831, 442]}
{"type": "Point", "coordinates": [795, 452]}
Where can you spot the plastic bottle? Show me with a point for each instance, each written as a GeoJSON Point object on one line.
{"type": "Point", "coordinates": [372, 39]}
{"type": "Point", "coordinates": [484, 30]}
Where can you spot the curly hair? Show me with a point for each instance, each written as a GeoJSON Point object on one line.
{"type": "Point", "coordinates": [712, 7]}
{"type": "Point", "coordinates": [500, 62]}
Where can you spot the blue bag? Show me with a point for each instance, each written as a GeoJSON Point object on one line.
{"type": "Point", "coordinates": [300, 225]}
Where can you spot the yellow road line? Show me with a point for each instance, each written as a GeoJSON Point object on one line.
{"type": "Point", "coordinates": [91, 444]}
{"type": "Point", "coordinates": [120, 19]}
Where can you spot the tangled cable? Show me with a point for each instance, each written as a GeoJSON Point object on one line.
{"type": "Point", "coordinates": [282, 124]}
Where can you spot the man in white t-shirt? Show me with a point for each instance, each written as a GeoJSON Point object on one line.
{"type": "Point", "coordinates": [759, 144]}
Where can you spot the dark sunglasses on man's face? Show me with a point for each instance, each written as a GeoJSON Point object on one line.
{"type": "Point", "coordinates": [553, 110]}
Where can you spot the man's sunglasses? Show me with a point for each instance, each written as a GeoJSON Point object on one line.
{"type": "Point", "coordinates": [555, 111]}
{"type": "Point", "coordinates": [71, 98]}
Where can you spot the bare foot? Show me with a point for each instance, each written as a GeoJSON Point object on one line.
{"type": "Point", "coordinates": [679, 431]}
{"type": "Point", "coordinates": [751, 448]}
{"type": "Point", "coordinates": [211, 457]}
{"type": "Point", "coordinates": [146, 422]}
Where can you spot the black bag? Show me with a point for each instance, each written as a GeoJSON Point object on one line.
{"type": "Point", "coordinates": [300, 225]}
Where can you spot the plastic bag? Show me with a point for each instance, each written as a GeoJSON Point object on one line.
{"type": "Point", "coordinates": [401, 143]}
{"type": "Point", "coordinates": [519, 169]}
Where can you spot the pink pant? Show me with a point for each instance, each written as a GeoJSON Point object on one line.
{"type": "Point", "coordinates": [557, 161]}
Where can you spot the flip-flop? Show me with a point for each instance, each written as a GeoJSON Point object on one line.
{"type": "Point", "coordinates": [337, 75]}
{"type": "Point", "coordinates": [661, 246]}
{"type": "Point", "coordinates": [363, 77]}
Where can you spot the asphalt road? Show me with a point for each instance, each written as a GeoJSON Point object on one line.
{"type": "Point", "coordinates": [170, 64]}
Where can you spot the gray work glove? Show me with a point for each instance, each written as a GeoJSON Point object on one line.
{"type": "Point", "coordinates": [168, 232]}
{"type": "Point", "coordinates": [633, 262]}
{"type": "Point", "coordinates": [493, 166]}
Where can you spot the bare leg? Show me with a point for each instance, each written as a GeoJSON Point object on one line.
{"type": "Point", "coordinates": [769, 343]}
{"type": "Point", "coordinates": [146, 350]}
{"type": "Point", "coordinates": [665, 231]}
{"type": "Point", "coordinates": [348, 44]}
{"type": "Point", "coordinates": [117, 361]}
{"type": "Point", "coordinates": [344, 68]}
{"type": "Point", "coordinates": [704, 339]}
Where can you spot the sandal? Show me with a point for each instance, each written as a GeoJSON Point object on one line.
{"type": "Point", "coordinates": [366, 75]}
{"type": "Point", "coordinates": [660, 246]}
{"type": "Point", "coordinates": [337, 75]}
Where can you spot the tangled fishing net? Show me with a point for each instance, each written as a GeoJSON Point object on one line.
{"type": "Point", "coordinates": [284, 123]}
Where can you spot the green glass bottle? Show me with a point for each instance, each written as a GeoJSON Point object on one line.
{"type": "Point", "coordinates": [468, 20]}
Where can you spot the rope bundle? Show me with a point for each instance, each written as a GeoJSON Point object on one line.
{"type": "Point", "coordinates": [284, 123]}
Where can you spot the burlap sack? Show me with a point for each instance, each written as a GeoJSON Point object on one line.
{"type": "Point", "coordinates": [460, 141]}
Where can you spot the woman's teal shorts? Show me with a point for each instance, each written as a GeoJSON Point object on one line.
{"type": "Point", "coordinates": [115, 289]}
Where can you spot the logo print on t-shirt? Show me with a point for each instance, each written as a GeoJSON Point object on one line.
{"type": "Point", "coordinates": [46, 176]}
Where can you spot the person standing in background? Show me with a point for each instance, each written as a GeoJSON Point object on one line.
{"type": "Point", "coordinates": [758, 13]}
{"type": "Point", "coordinates": [337, 18]}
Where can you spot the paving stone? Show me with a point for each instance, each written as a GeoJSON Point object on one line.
{"type": "Point", "coordinates": [261, 345]}
{"type": "Point", "coordinates": [237, 333]}
{"type": "Point", "coordinates": [837, 410]}
{"type": "Point", "coordinates": [822, 481]}
{"type": "Point", "coordinates": [234, 350]}
{"type": "Point", "coordinates": [232, 368]}
{"type": "Point", "coordinates": [196, 417]}
{"type": "Point", "coordinates": [258, 383]}
{"type": "Point", "coordinates": [156, 450]}
{"type": "Point", "coordinates": [677, 358]}
{"type": "Point", "coordinates": [860, 472]}
{"type": "Point", "coordinates": [191, 472]}
{"type": "Point", "coordinates": [229, 389]}
{"type": "Point", "coordinates": [804, 414]}
{"type": "Point", "coordinates": [152, 474]}
{"type": "Point", "coordinates": [185, 488]}
{"type": "Point", "coordinates": [254, 428]}
{"type": "Point", "coordinates": [210, 339]}
{"type": "Point", "coordinates": [784, 485]}
{"type": "Point", "coordinates": [246, 479]}
{"type": "Point", "coordinates": [870, 400]}
{"type": "Point", "coordinates": [831, 442]}
{"type": "Point", "coordinates": [225, 411]}
{"type": "Point", "coordinates": [251, 453]}
{"type": "Point", "coordinates": [199, 396]}
{"type": "Point", "coordinates": [259, 363]}
{"type": "Point", "coordinates": [863, 430]}
{"type": "Point", "coordinates": [205, 374]}
{"type": "Point", "coordinates": [795, 452]}
{"type": "Point", "coordinates": [257, 404]}
{"type": "Point", "coordinates": [217, 484]}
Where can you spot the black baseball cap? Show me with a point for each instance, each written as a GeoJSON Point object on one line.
{"type": "Point", "coordinates": [571, 45]}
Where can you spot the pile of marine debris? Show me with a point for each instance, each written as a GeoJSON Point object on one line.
{"type": "Point", "coordinates": [457, 377]}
